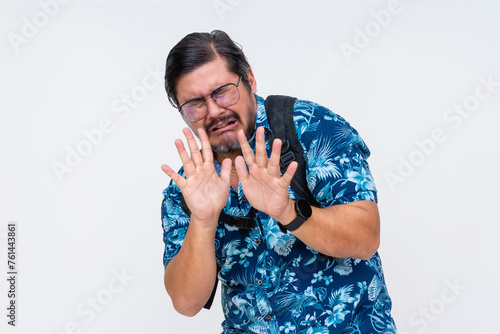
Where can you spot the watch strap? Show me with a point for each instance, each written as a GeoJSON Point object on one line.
{"type": "Point", "coordinates": [303, 210]}
{"type": "Point", "coordinates": [295, 224]}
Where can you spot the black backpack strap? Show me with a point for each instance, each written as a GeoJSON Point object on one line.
{"type": "Point", "coordinates": [247, 222]}
{"type": "Point", "coordinates": [210, 300]}
{"type": "Point", "coordinates": [279, 110]}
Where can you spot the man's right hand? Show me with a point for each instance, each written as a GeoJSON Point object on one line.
{"type": "Point", "coordinates": [204, 191]}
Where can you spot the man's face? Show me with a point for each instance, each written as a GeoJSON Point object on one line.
{"type": "Point", "coordinates": [221, 123]}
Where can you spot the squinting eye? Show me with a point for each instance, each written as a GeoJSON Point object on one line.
{"type": "Point", "coordinates": [196, 104]}
{"type": "Point", "coordinates": [222, 91]}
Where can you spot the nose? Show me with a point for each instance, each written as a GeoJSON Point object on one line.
{"type": "Point", "coordinates": [213, 109]}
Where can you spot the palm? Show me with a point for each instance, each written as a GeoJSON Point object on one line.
{"type": "Point", "coordinates": [264, 187]}
{"type": "Point", "coordinates": [203, 190]}
{"type": "Point", "coordinates": [264, 191]}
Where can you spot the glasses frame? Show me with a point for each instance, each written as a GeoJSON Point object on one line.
{"type": "Point", "coordinates": [211, 96]}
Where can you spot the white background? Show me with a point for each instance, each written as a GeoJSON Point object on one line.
{"type": "Point", "coordinates": [68, 68]}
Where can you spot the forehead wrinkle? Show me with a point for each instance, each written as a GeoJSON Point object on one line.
{"type": "Point", "coordinates": [204, 79]}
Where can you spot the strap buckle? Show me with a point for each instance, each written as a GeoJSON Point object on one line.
{"type": "Point", "coordinates": [246, 223]}
{"type": "Point", "coordinates": [242, 222]}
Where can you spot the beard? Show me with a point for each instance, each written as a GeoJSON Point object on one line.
{"type": "Point", "coordinates": [227, 146]}
{"type": "Point", "coordinates": [231, 144]}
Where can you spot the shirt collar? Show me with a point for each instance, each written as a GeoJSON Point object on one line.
{"type": "Point", "coordinates": [260, 119]}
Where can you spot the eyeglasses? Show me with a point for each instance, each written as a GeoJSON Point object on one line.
{"type": "Point", "coordinates": [224, 96]}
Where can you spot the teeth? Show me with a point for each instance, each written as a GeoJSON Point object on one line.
{"type": "Point", "coordinates": [223, 125]}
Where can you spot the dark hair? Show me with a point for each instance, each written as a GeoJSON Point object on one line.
{"type": "Point", "coordinates": [197, 49]}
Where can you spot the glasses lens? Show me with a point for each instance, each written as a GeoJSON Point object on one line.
{"type": "Point", "coordinates": [226, 95]}
{"type": "Point", "coordinates": [194, 110]}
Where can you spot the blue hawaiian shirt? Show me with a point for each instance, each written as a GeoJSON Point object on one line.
{"type": "Point", "coordinates": [271, 282]}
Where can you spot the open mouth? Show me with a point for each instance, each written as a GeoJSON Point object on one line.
{"type": "Point", "coordinates": [225, 126]}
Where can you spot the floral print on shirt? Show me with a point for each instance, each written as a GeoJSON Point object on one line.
{"type": "Point", "coordinates": [271, 282]}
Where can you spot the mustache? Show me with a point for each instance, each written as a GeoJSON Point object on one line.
{"type": "Point", "coordinates": [221, 119]}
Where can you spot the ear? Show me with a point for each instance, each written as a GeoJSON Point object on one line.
{"type": "Point", "coordinates": [252, 81]}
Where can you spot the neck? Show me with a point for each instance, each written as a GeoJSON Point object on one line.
{"type": "Point", "coordinates": [231, 155]}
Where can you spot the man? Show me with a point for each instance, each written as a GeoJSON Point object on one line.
{"type": "Point", "coordinates": [323, 275]}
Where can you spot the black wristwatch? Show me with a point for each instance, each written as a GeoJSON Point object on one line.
{"type": "Point", "coordinates": [304, 211]}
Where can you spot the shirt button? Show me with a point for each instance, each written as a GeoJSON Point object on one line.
{"type": "Point", "coordinates": [268, 317]}
{"type": "Point", "coordinates": [257, 242]}
{"type": "Point", "coordinates": [259, 282]}
{"type": "Point", "coordinates": [244, 199]}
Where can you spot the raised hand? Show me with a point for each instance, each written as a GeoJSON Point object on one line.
{"type": "Point", "coordinates": [204, 191]}
{"type": "Point", "coordinates": [262, 184]}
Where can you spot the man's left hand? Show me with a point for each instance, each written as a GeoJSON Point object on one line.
{"type": "Point", "coordinates": [264, 187]}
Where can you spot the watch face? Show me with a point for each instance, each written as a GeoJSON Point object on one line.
{"type": "Point", "coordinates": [304, 208]}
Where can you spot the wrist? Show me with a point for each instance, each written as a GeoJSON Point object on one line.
{"type": "Point", "coordinates": [289, 214]}
{"type": "Point", "coordinates": [204, 223]}
{"type": "Point", "coordinates": [302, 210]}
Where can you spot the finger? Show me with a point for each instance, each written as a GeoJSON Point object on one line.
{"type": "Point", "coordinates": [246, 150]}
{"type": "Point", "coordinates": [225, 171]}
{"type": "Point", "coordinates": [187, 163]}
{"type": "Point", "coordinates": [179, 180]}
{"type": "Point", "coordinates": [206, 148]}
{"type": "Point", "coordinates": [241, 168]}
{"type": "Point", "coordinates": [193, 147]}
{"type": "Point", "coordinates": [260, 148]}
{"type": "Point", "coordinates": [273, 167]}
{"type": "Point", "coordinates": [288, 176]}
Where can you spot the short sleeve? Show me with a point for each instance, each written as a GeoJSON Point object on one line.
{"type": "Point", "coordinates": [337, 170]}
{"type": "Point", "coordinates": [174, 222]}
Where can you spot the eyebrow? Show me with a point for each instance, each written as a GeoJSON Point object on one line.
{"type": "Point", "coordinates": [203, 96]}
